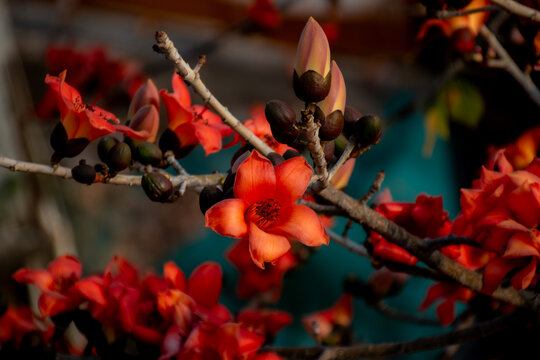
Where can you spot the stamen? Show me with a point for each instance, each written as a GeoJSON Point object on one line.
{"type": "Point", "coordinates": [263, 213]}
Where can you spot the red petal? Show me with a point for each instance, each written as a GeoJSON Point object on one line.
{"type": "Point", "coordinates": [520, 245]}
{"type": "Point", "coordinates": [209, 138]}
{"type": "Point", "coordinates": [255, 179]}
{"type": "Point", "coordinates": [41, 278]}
{"type": "Point", "coordinates": [301, 223]}
{"type": "Point", "coordinates": [204, 284]}
{"type": "Point", "coordinates": [524, 277]}
{"type": "Point", "coordinates": [174, 276]}
{"type": "Point", "coordinates": [186, 134]}
{"type": "Point", "coordinates": [445, 311]}
{"type": "Point", "coordinates": [177, 114]}
{"type": "Point", "coordinates": [495, 272]}
{"type": "Point", "coordinates": [181, 91]}
{"type": "Point", "coordinates": [91, 289]}
{"type": "Point", "coordinates": [51, 303]}
{"type": "Point", "coordinates": [65, 267]}
{"type": "Point", "coordinates": [266, 247]}
{"type": "Point", "coordinates": [227, 218]}
{"type": "Point", "coordinates": [292, 179]}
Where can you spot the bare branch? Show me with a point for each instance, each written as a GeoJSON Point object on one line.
{"type": "Point", "coordinates": [342, 159]}
{"type": "Point", "coordinates": [348, 244]}
{"type": "Point", "coordinates": [446, 14]}
{"type": "Point", "coordinates": [507, 63]}
{"type": "Point", "coordinates": [518, 9]}
{"type": "Point", "coordinates": [317, 153]}
{"type": "Point", "coordinates": [375, 187]}
{"type": "Point", "coordinates": [387, 310]}
{"type": "Point", "coordinates": [166, 47]}
{"type": "Point", "coordinates": [436, 244]}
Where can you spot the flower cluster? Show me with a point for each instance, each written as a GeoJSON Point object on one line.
{"type": "Point", "coordinates": [165, 316]}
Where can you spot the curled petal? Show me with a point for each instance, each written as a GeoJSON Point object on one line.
{"type": "Point", "coordinates": [174, 276]}
{"type": "Point", "coordinates": [209, 137]}
{"type": "Point", "coordinates": [494, 273]}
{"type": "Point", "coordinates": [204, 284]}
{"type": "Point", "coordinates": [181, 91]}
{"type": "Point", "coordinates": [41, 278]}
{"type": "Point", "coordinates": [66, 267]}
{"type": "Point", "coordinates": [335, 100]}
{"type": "Point", "coordinates": [227, 218]}
{"type": "Point", "coordinates": [292, 179]}
{"type": "Point", "coordinates": [91, 289]}
{"type": "Point", "coordinates": [525, 276]}
{"type": "Point", "coordinates": [255, 179]}
{"type": "Point", "coordinates": [301, 223]}
{"type": "Point", "coordinates": [177, 113]}
{"type": "Point", "coordinates": [266, 247]}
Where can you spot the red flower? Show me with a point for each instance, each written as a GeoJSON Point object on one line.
{"type": "Point", "coordinates": [425, 218]}
{"type": "Point", "coordinates": [192, 124]}
{"type": "Point", "coordinates": [265, 14]}
{"type": "Point", "coordinates": [450, 293]}
{"type": "Point", "coordinates": [79, 120]}
{"type": "Point", "coordinates": [326, 324]}
{"type": "Point", "coordinates": [60, 285]}
{"type": "Point", "coordinates": [17, 322]}
{"type": "Point", "coordinates": [265, 322]}
{"type": "Point", "coordinates": [254, 280]}
{"type": "Point", "coordinates": [264, 210]}
{"type": "Point", "coordinates": [518, 155]}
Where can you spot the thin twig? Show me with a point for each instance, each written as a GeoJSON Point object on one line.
{"type": "Point", "coordinates": [166, 47]}
{"type": "Point", "coordinates": [478, 331]}
{"type": "Point", "coordinates": [446, 14]}
{"type": "Point", "coordinates": [518, 9]}
{"type": "Point", "coordinates": [342, 159]}
{"type": "Point", "coordinates": [510, 66]}
{"type": "Point", "coordinates": [173, 162]}
{"type": "Point", "coordinates": [375, 187]}
{"type": "Point", "coordinates": [348, 244]}
{"type": "Point", "coordinates": [191, 181]}
{"type": "Point", "coordinates": [436, 244]}
{"type": "Point", "coordinates": [330, 210]}
{"type": "Point", "coordinates": [389, 311]}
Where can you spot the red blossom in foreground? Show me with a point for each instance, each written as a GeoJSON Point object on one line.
{"type": "Point", "coordinates": [192, 124]}
{"type": "Point", "coordinates": [331, 326]}
{"type": "Point", "coordinates": [255, 281]}
{"type": "Point", "coordinates": [264, 208]}
{"type": "Point", "coordinates": [518, 155]}
{"type": "Point", "coordinates": [425, 218]}
{"type": "Point", "coordinates": [60, 285]}
{"type": "Point", "coordinates": [502, 213]}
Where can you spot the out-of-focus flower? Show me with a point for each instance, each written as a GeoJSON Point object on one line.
{"type": "Point", "coordinates": [17, 322]}
{"type": "Point", "coordinates": [265, 322]}
{"type": "Point", "coordinates": [312, 77]}
{"type": "Point", "coordinates": [192, 124]}
{"type": "Point", "coordinates": [450, 293]}
{"type": "Point", "coordinates": [264, 208]}
{"type": "Point", "coordinates": [331, 326]}
{"type": "Point", "coordinates": [461, 29]}
{"type": "Point", "coordinates": [518, 154]}
{"type": "Point", "coordinates": [265, 14]}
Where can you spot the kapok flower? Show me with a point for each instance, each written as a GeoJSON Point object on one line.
{"type": "Point", "coordinates": [17, 322]}
{"type": "Point", "coordinates": [264, 13]}
{"type": "Point", "coordinates": [265, 322]}
{"type": "Point", "coordinates": [450, 294]}
{"type": "Point", "coordinates": [264, 210]}
{"type": "Point", "coordinates": [462, 29]}
{"type": "Point", "coordinates": [311, 76]}
{"type": "Point", "coordinates": [518, 155]}
{"type": "Point", "coordinates": [79, 120]}
{"type": "Point", "coordinates": [331, 326]}
{"type": "Point", "coordinates": [60, 285]}
{"type": "Point", "coordinates": [192, 124]}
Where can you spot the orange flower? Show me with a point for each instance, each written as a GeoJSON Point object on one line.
{"type": "Point", "coordinates": [330, 325]}
{"type": "Point", "coordinates": [192, 124]}
{"type": "Point", "coordinates": [79, 120]}
{"type": "Point", "coordinates": [264, 210]}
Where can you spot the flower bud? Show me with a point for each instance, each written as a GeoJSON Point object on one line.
{"type": "Point", "coordinates": [145, 124]}
{"type": "Point", "coordinates": [119, 157]}
{"type": "Point", "coordinates": [385, 283]}
{"type": "Point", "coordinates": [64, 147]}
{"type": "Point", "coordinates": [209, 196]}
{"type": "Point", "coordinates": [169, 141]}
{"type": "Point", "coordinates": [279, 114]}
{"type": "Point", "coordinates": [333, 106]}
{"type": "Point", "coordinates": [83, 173]}
{"type": "Point", "coordinates": [157, 186]}
{"type": "Point", "coordinates": [311, 76]}
{"type": "Point", "coordinates": [146, 94]}
{"type": "Point", "coordinates": [105, 144]}
{"type": "Point", "coordinates": [351, 116]}
{"type": "Point", "coordinates": [328, 148]}
{"type": "Point", "coordinates": [367, 131]}
{"type": "Point", "coordinates": [148, 153]}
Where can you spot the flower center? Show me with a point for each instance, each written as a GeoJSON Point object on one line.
{"type": "Point", "coordinates": [263, 213]}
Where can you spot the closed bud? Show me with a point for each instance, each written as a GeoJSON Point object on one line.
{"type": "Point", "coordinates": [332, 126]}
{"type": "Point", "coordinates": [385, 283]}
{"type": "Point", "coordinates": [119, 157]}
{"type": "Point", "coordinates": [147, 94]}
{"type": "Point", "coordinates": [289, 154]}
{"type": "Point", "coordinates": [351, 116]}
{"type": "Point", "coordinates": [209, 196]}
{"type": "Point", "coordinates": [145, 124]}
{"type": "Point", "coordinates": [367, 131]}
{"type": "Point", "coordinates": [157, 186]}
{"type": "Point", "coordinates": [84, 173]}
{"type": "Point", "coordinates": [105, 144]}
{"type": "Point", "coordinates": [311, 76]}
{"type": "Point", "coordinates": [148, 153]}
{"type": "Point", "coordinates": [279, 114]}
{"type": "Point", "coordinates": [64, 147]}
{"type": "Point", "coordinates": [340, 145]}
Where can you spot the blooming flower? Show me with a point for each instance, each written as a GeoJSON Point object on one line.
{"type": "Point", "coordinates": [330, 325]}
{"type": "Point", "coordinates": [265, 322]}
{"type": "Point", "coordinates": [264, 210]}
{"type": "Point", "coordinates": [450, 294]}
{"type": "Point", "coordinates": [192, 124]}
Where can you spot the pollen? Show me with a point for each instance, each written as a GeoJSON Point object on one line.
{"type": "Point", "coordinates": [263, 213]}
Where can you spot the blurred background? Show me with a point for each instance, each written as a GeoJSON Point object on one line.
{"type": "Point", "coordinates": [107, 45]}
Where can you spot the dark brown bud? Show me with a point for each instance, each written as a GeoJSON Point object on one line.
{"type": "Point", "coordinates": [275, 158]}
{"type": "Point", "coordinates": [64, 147]}
{"type": "Point", "coordinates": [84, 173]}
{"type": "Point", "coordinates": [229, 181]}
{"type": "Point", "coordinates": [310, 86]}
{"type": "Point", "coordinates": [105, 144]}
{"type": "Point", "coordinates": [169, 141]}
{"type": "Point", "coordinates": [119, 157]}
{"type": "Point", "coordinates": [279, 114]}
{"type": "Point", "coordinates": [331, 126]}
{"type": "Point", "coordinates": [209, 196]}
{"type": "Point", "coordinates": [157, 186]}
{"type": "Point", "coordinates": [329, 149]}
{"type": "Point", "coordinates": [350, 117]}
{"type": "Point", "coordinates": [289, 154]}
{"type": "Point", "coordinates": [148, 153]}
{"type": "Point", "coordinates": [367, 131]}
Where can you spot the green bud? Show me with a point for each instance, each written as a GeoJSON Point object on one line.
{"type": "Point", "coordinates": [148, 153]}
{"type": "Point", "coordinates": [119, 157]}
{"type": "Point", "coordinates": [367, 131]}
{"type": "Point", "coordinates": [105, 144]}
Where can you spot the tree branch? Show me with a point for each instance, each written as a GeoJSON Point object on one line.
{"type": "Point", "coordinates": [385, 309]}
{"type": "Point", "coordinates": [510, 66]}
{"type": "Point", "coordinates": [447, 14]}
{"type": "Point", "coordinates": [518, 9]}
{"type": "Point", "coordinates": [436, 244]}
{"type": "Point", "coordinates": [166, 47]}
{"type": "Point", "coordinates": [471, 333]}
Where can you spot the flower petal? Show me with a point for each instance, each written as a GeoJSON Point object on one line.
{"type": "Point", "coordinates": [255, 179]}
{"type": "Point", "coordinates": [266, 247]}
{"type": "Point", "coordinates": [174, 276]}
{"type": "Point", "coordinates": [301, 223]}
{"type": "Point", "coordinates": [292, 179]}
{"type": "Point", "coordinates": [41, 278]}
{"type": "Point", "coordinates": [91, 289]}
{"type": "Point", "coordinates": [66, 267]}
{"type": "Point", "coordinates": [524, 277]}
{"type": "Point", "coordinates": [494, 273]}
{"type": "Point", "coordinates": [181, 91]}
{"type": "Point", "coordinates": [209, 138]}
{"type": "Point", "coordinates": [177, 113]}
{"type": "Point", "coordinates": [204, 284]}
{"type": "Point", "coordinates": [227, 218]}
